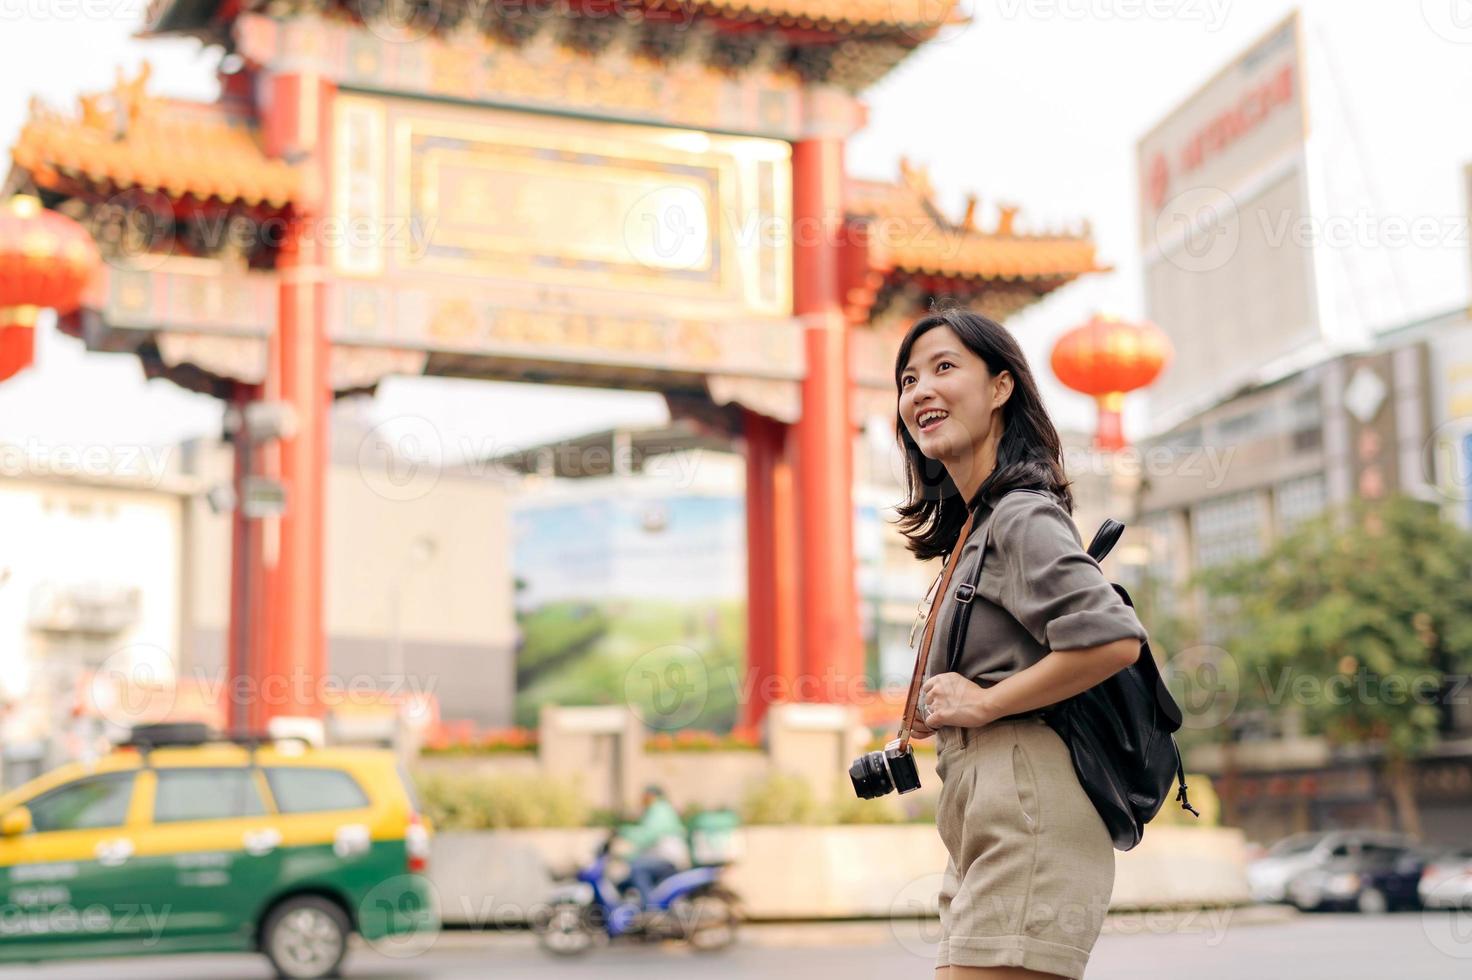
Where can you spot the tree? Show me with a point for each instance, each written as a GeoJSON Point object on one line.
{"type": "Point", "coordinates": [1359, 619]}
{"type": "Point", "coordinates": [1175, 640]}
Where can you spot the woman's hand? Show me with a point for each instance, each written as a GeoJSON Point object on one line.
{"type": "Point", "coordinates": [954, 700]}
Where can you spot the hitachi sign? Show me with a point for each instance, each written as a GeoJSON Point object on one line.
{"type": "Point", "coordinates": [1211, 140]}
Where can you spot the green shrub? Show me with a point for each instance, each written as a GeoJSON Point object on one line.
{"type": "Point", "coordinates": [847, 808]}
{"type": "Point", "coordinates": [501, 802]}
{"type": "Point", "coordinates": [920, 808]}
{"type": "Point", "coordinates": [779, 798]}
{"type": "Point", "coordinates": [880, 737]}
{"type": "Point", "coordinates": [784, 799]}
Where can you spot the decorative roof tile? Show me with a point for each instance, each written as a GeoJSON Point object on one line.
{"type": "Point", "coordinates": [125, 139]}
{"type": "Point", "coordinates": [907, 233]}
{"type": "Point", "coordinates": [914, 15]}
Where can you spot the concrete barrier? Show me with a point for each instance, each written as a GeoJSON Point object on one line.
{"type": "Point", "coordinates": [489, 878]}
{"type": "Point", "coordinates": [1182, 866]}
{"type": "Point", "coordinates": [492, 878]}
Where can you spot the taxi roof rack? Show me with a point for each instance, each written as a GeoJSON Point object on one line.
{"type": "Point", "coordinates": [145, 738]}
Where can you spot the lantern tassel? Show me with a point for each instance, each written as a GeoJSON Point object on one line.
{"type": "Point", "coordinates": [1110, 435]}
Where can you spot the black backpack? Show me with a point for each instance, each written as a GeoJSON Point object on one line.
{"type": "Point", "coordinates": [1120, 733]}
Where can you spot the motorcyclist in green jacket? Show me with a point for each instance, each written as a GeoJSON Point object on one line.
{"type": "Point", "coordinates": [658, 841]}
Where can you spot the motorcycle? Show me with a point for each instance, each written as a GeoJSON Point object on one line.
{"type": "Point", "coordinates": [689, 906]}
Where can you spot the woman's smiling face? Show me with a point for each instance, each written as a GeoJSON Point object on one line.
{"type": "Point", "coordinates": [947, 396]}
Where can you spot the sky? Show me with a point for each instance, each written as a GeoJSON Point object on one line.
{"type": "Point", "coordinates": [1034, 102]}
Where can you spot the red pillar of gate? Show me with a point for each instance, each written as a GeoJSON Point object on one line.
{"type": "Point", "coordinates": [832, 663]}
{"type": "Point", "coordinates": [297, 128]}
{"type": "Point", "coordinates": [771, 567]}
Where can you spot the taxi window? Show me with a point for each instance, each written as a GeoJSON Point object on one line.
{"type": "Point", "coordinates": [87, 804]}
{"type": "Point", "coordinates": [299, 790]}
{"type": "Point", "coordinates": [205, 794]}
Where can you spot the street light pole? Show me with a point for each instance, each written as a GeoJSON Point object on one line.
{"type": "Point", "coordinates": [240, 663]}
{"type": "Point", "coordinates": [421, 553]}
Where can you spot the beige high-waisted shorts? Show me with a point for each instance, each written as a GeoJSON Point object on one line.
{"type": "Point", "coordinates": [1031, 863]}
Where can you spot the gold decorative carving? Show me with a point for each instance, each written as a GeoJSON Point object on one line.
{"type": "Point", "coordinates": [609, 213]}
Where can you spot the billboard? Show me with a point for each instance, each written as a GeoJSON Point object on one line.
{"type": "Point", "coordinates": [1224, 205]}
{"type": "Point", "coordinates": [618, 582]}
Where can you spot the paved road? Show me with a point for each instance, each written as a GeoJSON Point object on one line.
{"type": "Point", "coordinates": [1211, 946]}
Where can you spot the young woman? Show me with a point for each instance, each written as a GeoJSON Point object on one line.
{"type": "Point", "coordinates": [1031, 864]}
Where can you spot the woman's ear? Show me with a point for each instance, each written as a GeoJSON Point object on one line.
{"type": "Point", "coordinates": [1001, 389]}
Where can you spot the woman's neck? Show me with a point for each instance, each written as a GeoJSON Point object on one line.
{"type": "Point", "coordinates": [980, 466]}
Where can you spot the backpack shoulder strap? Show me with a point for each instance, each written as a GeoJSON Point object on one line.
{"type": "Point", "coordinates": [1105, 539]}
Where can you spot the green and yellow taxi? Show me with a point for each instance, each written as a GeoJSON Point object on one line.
{"type": "Point", "coordinates": [178, 842]}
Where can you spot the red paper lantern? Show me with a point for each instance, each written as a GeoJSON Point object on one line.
{"type": "Point", "coordinates": [46, 260]}
{"type": "Point", "coordinates": [1107, 358]}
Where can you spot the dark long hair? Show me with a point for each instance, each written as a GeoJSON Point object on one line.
{"type": "Point", "coordinates": [1029, 455]}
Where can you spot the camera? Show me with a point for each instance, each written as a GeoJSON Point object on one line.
{"type": "Point", "coordinates": [877, 773]}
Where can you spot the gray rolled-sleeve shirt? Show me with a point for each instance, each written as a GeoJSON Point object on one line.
{"type": "Point", "coordinates": [1039, 591]}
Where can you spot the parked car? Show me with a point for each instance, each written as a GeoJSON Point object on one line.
{"type": "Point", "coordinates": [180, 841]}
{"type": "Point", "coordinates": [1446, 881]}
{"type": "Point", "coordinates": [1268, 876]}
{"type": "Point", "coordinates": [1373, 877]}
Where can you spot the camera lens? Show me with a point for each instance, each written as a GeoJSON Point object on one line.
{"type": "Point", "coordinates": [870, 776]}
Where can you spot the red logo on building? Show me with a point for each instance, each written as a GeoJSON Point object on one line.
{"type": "Point", "coordinates": [1158, 181]}
{"type": "Point", "coordinates": [1244, 116]}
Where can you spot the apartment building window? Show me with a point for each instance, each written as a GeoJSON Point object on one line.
{"type": "Point", "coordinates": [1299, 500]}
{"type": "Point", "coordinates": [1308, 440]}
{"type": "Point", "coordinates": [1160, 544]}
{"type": "Point", "coordinates": [1306, 420]}
{"type": "Point", "coordinates": [1227, 529]}
{"type": "Point", "coordinates": [1241, 427]}
{"type": "Point", "coordinates": [1306, 409]}
{"type": "Point", "coordinates": [1161, 583]}
{"type": "Point", "coordinates": [1184, 439]}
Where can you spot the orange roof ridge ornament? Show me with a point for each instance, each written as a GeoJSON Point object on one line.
{"type": "Point", "coordinates": [917, 178]}
{"type": "Point", "coordinates": [126, 138]}
{"type": "Point", "coordinates": [909, 241]}
{"type": "Point", "coordinates": [130, 98]}
{"type": "Point", "coordinates": [968, 220]}
{"type": "Point", "coordinates": [95, 114]}
{"type": "Point", "coordinates": [117, 111]}
{"type": "Point", "coordinates": [909, 201]}
{"type": "Point", "coordinates": [1007, 221]}
{"type": "Point", "coordinates": [39, 111]}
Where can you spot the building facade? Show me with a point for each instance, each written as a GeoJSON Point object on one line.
{"type": "Point", "coordinates": [1250, 194]}
{"type": "Point", "coordinates": [92, 581]}
{"type": "Point", "coordinates": [114, 596]}
{"type": "Point", "coordinates": [1227, 482]}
